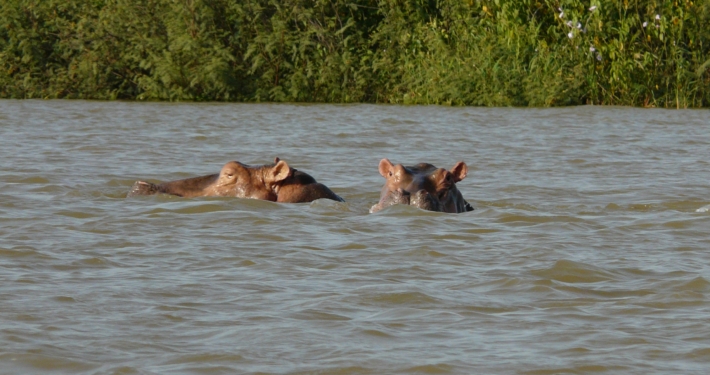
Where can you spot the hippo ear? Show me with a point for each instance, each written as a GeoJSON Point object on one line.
{"type": "Point", "coordinates": [280, 171]}
{"type": "Point", "coordinates": [459, 171]}
{"type": "Point", "coordinates": [276, 160]}
{"type": "Point", "coordinates": [385, 167]}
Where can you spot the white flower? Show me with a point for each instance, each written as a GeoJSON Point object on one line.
{"type": "Point", "coordinates": [562, 14]}
{"type": "Point", "coordinates": [570, 35]}
{"type": "Point", "coordinates": [645, 24]}
{"type": "Point", "coordinates": [592, 49]}
{"type": "Point", "coordinates": [569, 23]}
{"type": "Point", "coordinates": [599, 57]}
{"type": "Point", "coordinates": [593, 8]}
{"type": "Point", "coordinates": [658, 16]}
{"type": "Point", "coordinates": [579, 25]}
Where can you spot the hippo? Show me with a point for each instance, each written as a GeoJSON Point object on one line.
{"type": "Point", "coordinates": [275, 182]}
{"type": "Point", "coordinates": [424, 186]}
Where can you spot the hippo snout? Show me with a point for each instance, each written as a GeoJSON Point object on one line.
{"type": "Point", "coordinates": [422, 199]}
{"type": "Point", "coordinates": [398, 196]}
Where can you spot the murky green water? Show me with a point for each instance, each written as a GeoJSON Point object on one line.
{"type": "Point", "coordinates": [585, 253]}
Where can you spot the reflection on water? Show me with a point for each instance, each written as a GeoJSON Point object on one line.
{"type": "Point", "coordinates": [587, 251]}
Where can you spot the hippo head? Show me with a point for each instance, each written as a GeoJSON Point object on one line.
{"type": "Point", "coordinates": [424, 186]}
{"type": "Point", "coordinates": [256, 182]}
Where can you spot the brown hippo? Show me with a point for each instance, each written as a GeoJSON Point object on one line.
{"type": "Point", "coordinates": [272, 182]}
{"type": "Point", "coordinates": [424, 186]}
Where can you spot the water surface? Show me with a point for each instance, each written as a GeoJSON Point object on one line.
{"type": "Point", "coordinates": [585, 253]}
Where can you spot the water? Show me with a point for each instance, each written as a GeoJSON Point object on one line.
{"type": "Point", "coordinates": [585, 253]}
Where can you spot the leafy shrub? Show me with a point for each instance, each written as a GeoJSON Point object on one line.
{"type": "Point", "coordinates": [454, 52]}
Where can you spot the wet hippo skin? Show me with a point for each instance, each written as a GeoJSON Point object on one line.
{"type": "Point", "coordinates": [275, 182]}
{"type": "Point", "coordinates": [424, 186]}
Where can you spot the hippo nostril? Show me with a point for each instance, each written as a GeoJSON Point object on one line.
{"type": "Point", "coordinates": [401, 191]}
{"type": "Point", "coordinates": [421, 194]}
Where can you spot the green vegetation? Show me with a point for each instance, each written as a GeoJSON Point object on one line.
{"type": "Point", "coordinates": [458, 52]}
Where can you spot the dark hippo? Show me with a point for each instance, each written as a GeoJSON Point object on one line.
{"type": "Point", "coordinates": [424, 186]}
{"type": "Point", "coordinates": [272, 182]}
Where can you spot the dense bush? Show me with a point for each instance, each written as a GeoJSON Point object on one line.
{"type": "Point", "coordinates": [460, 52]}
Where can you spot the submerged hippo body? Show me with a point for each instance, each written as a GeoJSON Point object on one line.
{"type": "Point", "coordinates": [424, 186]}
{"type": "Point", "coordinates": [272, 182]}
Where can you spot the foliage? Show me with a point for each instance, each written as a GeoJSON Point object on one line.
{"type": "Point", "coordinates": [456, 52]}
